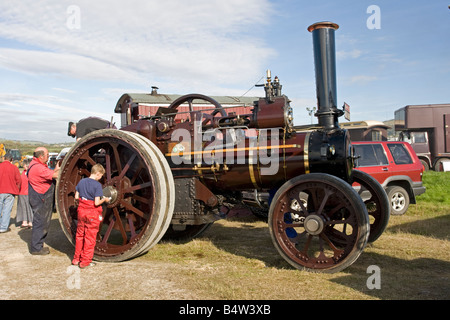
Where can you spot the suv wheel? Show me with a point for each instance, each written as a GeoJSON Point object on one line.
{"type": "Point", "coordinates": [399, 199]}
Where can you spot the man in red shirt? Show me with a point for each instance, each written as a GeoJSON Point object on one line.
{"type": "Point", "coordinates": [40, 193]}
{"type": "Point", "coordinates": [10, 183]}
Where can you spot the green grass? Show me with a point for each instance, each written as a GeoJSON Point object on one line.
{"type": "Point", "coordinates": [431, 215]}
{"type": "Point", "coordinates": [235, 259]}
{"type": "Point", "coordinates": [438, 188]}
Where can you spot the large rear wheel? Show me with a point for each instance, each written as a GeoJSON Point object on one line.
{"type": "Point", "coordinates": [139, 181]}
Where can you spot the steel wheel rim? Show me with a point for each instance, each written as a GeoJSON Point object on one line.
{"type": "Point", "coordinates": [378, 206]}
{"type": "Point", "coordinates": [128, 170]}
{"type": "Point", "coordinates": [332, 214]}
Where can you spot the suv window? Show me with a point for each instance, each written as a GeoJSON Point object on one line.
{"type": "Point", "coordinates": [399, 153]}
{"type": "Point", "coordinates": [370, 155]}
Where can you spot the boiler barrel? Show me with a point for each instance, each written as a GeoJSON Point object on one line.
{"type": "Point", "coordinates": [261, 164]}
{"type": "Point", "coordinates": [266, 164]}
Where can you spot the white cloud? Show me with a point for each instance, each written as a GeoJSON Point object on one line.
{"type": "Point", "coordinates": [61, 64]}
{"type": "Point", "coordinates": [207, 46]}
{"type": "Point", "coordinates": [352, 54]}
{"type": "Point", "coordinates": [39, 117]}
{"type": "Point", "coordinates": [135, 39]}
{"type": "Point", "coordinates": [64, 90]}
{"type": "Point", "coordinates": [361, 79]}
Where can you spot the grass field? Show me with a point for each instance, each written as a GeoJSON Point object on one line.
{"type": "Point", "coordinates": [235, 259]}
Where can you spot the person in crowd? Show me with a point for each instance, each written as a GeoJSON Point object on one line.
{"type": "Point", "coordinates": [10, 183]}
{"type": "Point", "coordinates": [90, 198]}
{"type": "Point", "coordinates": [24, 211]}
{"type": "Point", "coordinates": [87, 125]}
{"type": "Point", "coordinates": [41, 195]}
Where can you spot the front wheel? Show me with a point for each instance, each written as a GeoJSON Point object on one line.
{"type": "Point", "coordinates": [376, 201]}
{"type": "Point", "coordinates": [328, 233]}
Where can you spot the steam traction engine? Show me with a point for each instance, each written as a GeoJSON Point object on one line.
{"type": "Point", "coordinates": [173, 173]}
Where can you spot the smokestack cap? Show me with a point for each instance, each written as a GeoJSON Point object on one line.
{"type": "Point", "coordinates": [324, 24]}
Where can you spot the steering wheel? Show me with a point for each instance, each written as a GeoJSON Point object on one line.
{"type": "Point", "coordinates": [194, 96]}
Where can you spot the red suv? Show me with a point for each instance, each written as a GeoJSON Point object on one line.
{"type": "Point", "coordinates": [396, 167]}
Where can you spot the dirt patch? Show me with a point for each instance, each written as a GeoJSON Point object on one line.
{"type": "Point", "coordinates": [24, 276]}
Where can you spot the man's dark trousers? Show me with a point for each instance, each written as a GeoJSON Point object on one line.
{"type": "Point", "coordinates": [42, 205]}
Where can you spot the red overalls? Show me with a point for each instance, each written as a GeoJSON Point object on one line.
{"type": "Point", "coordinates": [89, 218]}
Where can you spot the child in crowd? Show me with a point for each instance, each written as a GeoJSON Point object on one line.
{"type": "Point", "coordinates": [24, 211]}
{"type": "Point", "coordinates": [89, 194]}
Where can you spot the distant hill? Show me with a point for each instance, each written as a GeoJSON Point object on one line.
{"type": "Point", "coordinates": [29, 142]}
{"type": "Point", "coordinates": [27, 147]}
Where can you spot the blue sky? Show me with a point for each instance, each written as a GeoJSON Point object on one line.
{"type": "Point", "coordinates": [62, 60]}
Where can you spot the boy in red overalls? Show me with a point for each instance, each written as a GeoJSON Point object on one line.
{"type": "Point", "coordinates": [89, 194]}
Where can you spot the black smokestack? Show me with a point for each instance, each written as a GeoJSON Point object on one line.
{"type": "Point", "coordinates": [325, 65]}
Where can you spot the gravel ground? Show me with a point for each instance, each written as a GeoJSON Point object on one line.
{"type": "Point", "coordinates": [50, 277]}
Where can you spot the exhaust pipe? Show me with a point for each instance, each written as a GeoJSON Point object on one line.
{"type": "Point", "coordinates": [325, 67]}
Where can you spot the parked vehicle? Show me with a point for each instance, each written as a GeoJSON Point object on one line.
{"type": "Point", "coordinates": [17, 158]}
{"type": "Point", "coordinates": [51, 163]}
{"type": "Point", "coordinates": [427, 128]}
{"type": "Point", "coordinates": [396, 167]}
{"type": "Point", "coordinates": [62, 154]}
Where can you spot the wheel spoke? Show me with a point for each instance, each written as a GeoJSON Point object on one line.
{"type": "Point", "coordinates": [141, 199]}
{"type": "Point", "coordinates": [333, 222]}
{"type": "Point", "coordinates": [116, 157]}
{"type": "Point", "coordinates": [324, 201]}
{"type": "Point", "coordinates": [130, 207]}
{"type": "Point", "coordinates": [136, 175]}
{"type": "Point", "coordinates": [335, 210]}
{"type": "Point", "coordinates": [316, 200]}
{"type": "Point", "coordinates": [108, 167]}
{"type": "Point", "coordinates": [307, 245]}
{"type": "Point", "coordinates": [118, 222]}
{"type": "Point", "coordinates": [131, 225]}
{"type": "Point", "coordinates": [138, 187]}
{"type": "Point", "coordinates": [295, 196]}
{"type": "Point", "coordinates": [88, 158]}
{"type": "Point", "coordinates": [337, 252]}
{"type": "Point", "coordinates": [127, 166]}
{"type": "Point", "coordinates": [108, 231]}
